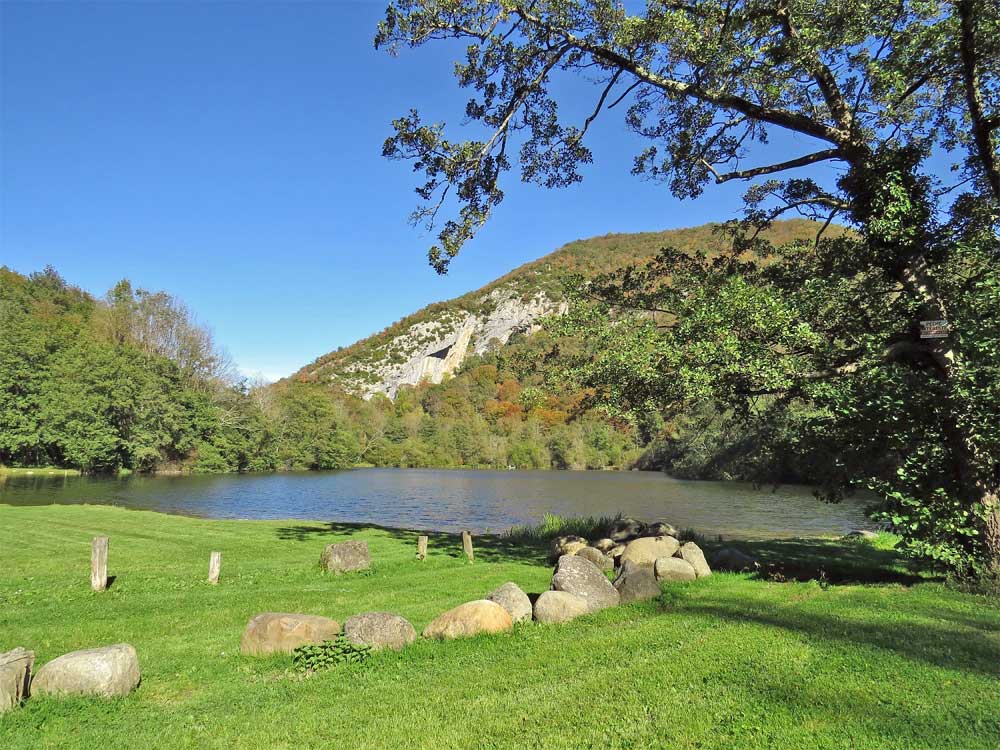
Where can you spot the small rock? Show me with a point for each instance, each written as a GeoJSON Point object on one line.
{"type": "Point", "coordinates": [733, 560]}
{"type": "Point", "coordinates": [511, 597]}
{"type": "Point", "coordinates": [647, 550]}
{"type": "Point", "coordinates": [15, 677]}
{"type": "Point", "coordinates": [604, 545]}
{"type": "Point", "coordinates": [281, 632]}
{"type": "Point", "coordinates": [625, 529]}
{"type": "Point", "coordinates": [692, 553]}
{"type": "Point", "coordinates": [661, 529]}
{"type": "Point", "coordinates": [673, 570]}
{"type": "Point", "coordinates": [636, 583]}
{"type": "Point", "coordinates": [481, 616]}
{"type": "Point", "coordinates": [576, 575]}
{"type": "Point", "coordinates": [105, 672]}
{"type": "Point", "coordinates": [567, 545]}
{"type": "Point", "coordinates": [862, 534]}
{"type": "Point", "coordinates": [379, 630]}
{"type": "Point", "coordinates": [346, 557]}
{"type": "Point", "coordinates": [598, 558]}
{"type": "Point", "coordinates": [559, 606]}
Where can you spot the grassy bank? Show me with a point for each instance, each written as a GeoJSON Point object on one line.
{"type": "Point", "coordinates": [728, 661]}
{"type": "Point", "coordinates": [41, 471]}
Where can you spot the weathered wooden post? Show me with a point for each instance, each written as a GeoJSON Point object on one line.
{"type": "Point", "coordinates": [421, 547]}
{"type": "Point", "coordinates": [214, 567]}
{"type": "Point", "coordinates": [99, 563]}
{"type": "Point", "coordinates": [467, 545]}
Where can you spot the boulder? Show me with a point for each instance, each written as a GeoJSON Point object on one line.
{"type": "Point", "coordinates": [567, 545]}
{"type": "Point", "coordinates": [616, 552]}
{"type": "Point", "coordinates": [346, 557]}
{"type": "Point", "coordinates": [471, 618]}
{"type": "Point", "coordinates": [692, 553]}
{"type": "Point", "coordinates": [559, 606]}
{"type": "Point", "coordinates": [104, 672]}
{"type": "Point", "coordinates": [379, 630]}
{"type": "Point", "coordinates": [578, 576]}
{"type": "Point", "coordinates": [636, 583]}
{"type": "Point", "coordinates": [625, 529]}
{"type": "Point", "coordinates": [673, 570]}
{"type": "Point", "coordinates": [733, 560]}
{"type": "Point", "coordinates": [598, 558]}
{"type": "Point", "coordinates": [514, 600]}
{"type": "Point", "coordinates": [647, 550]}
{"type": "Point", "coordinates": [604, 545]}
{"type": "Point", "coordinates": [15, 677]}
{"type": "Point", "coordinates": [281, 632]}
{"type": "Point", "coordinates": [661, 529]}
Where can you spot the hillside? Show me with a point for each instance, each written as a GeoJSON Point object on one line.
{"type": "Point", "coordinates": [434, 341]}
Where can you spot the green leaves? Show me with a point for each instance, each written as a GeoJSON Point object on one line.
{"type": "Point", "coordinates": [312, 658]}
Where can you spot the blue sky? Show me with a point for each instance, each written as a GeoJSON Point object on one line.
{"type": "Point", "coordinates": [230, 153]}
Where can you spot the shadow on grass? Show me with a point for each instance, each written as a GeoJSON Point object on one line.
{"type": "Point", "coordinates": [837, 561]}
{"type": "Point", "coordinates": [966, 644]}
{"type": "Point", "coordinates": [486, 547]}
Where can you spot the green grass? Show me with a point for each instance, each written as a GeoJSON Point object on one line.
{"type": "Point", "coordinates": [45, 471]}
{"type": "Point", "coordinates": [731, 661]}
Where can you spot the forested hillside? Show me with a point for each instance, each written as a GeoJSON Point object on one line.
{"type": "Point", "coordinates": [131, 382]}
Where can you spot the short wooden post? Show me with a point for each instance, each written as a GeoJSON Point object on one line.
{"type": "Point", "coordinates": [99, 563]}
{"type": "Point", "coordinates": [421, 547]}
{"type": "Point", "coordinates": [214, 567]}
{"type": "Point", "coordinates": [467, 545]}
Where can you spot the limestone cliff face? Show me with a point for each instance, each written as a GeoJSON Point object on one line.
{"type": "Point", "coordinates": [435, 347]}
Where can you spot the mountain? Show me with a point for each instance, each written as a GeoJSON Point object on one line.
{"type": "Point", "coordinates": [434, 341]}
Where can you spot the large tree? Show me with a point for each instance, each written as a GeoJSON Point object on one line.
{"type": "Point", "coordinates": [874, 86]}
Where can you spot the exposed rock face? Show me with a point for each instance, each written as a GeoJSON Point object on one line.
{"type": "Point", "coordinates": [647, 550]}
{"type": "Point", "coordinates": [732, 560]}
{"type": "Point", "coordinates": [281, 632]}
{"type": "Point", "coordinates": [598, 558]}
{"type": "Point", "coordinates": [346, 557]}
{"type": "Point", "coordinates": [673, 570]}
{"type": "Point", "coordinates": [104, 672]}
{"type": "Point", "coordinates": [514, 600]}
{"type": "Point", "coordinates": [15, 677]}
{"type": "Point", "coordinates": [581, 577]}
{"type": "Point", "coordinates": [559, 606]}
{"type": "Point", "coordinates": [471, 618]}
{"type": "Point", "coordinates": [692, 553]}
{"type": "Point", "coordinates": [379, 630]}
{"type": "Point", "coordinates": [636, 583]}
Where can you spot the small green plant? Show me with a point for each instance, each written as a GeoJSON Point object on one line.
{"type": "Point", "coordinates": [311, 658]}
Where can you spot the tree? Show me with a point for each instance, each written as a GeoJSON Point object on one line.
{"type": "Point", "coordinates": [874, 87]}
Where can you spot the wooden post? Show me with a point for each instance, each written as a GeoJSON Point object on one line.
{"type": "Point", "coordinates": [214, 566]}
{"type": "Point", "coordinates": [421, 547]}
{"type": "Point", "coordinates": [99, 563]}
{"type": "Point", "coordinates": [467, 545]}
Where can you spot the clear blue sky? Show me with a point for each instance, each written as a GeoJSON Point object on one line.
{"type": "Point", "coordinates": [230, 153]}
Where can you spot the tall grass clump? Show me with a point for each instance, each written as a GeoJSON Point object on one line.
{"type": "Point", "coordinates": [552, 526]}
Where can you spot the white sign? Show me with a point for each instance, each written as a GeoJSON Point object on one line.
{"type": "Point", "coordinates": [934, 329]}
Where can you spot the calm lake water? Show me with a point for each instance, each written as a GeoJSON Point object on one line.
{"type": "Point", "coordinates": [450, 500]}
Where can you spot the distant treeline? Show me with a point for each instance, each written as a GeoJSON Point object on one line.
{"type": "Point", "coordinates": [132, 383]}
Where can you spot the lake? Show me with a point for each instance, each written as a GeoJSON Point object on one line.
{"type": "Point", "coordinates": [451, 500]}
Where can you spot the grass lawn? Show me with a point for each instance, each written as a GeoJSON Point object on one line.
{"type": "Point", "coordinates": [731, 661]}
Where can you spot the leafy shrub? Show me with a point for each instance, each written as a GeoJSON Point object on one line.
{"type": "Point", "coordinates": [311, 658]}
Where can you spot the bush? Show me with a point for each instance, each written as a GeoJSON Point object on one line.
{"type": "Point", "coordinates": [311, 658]}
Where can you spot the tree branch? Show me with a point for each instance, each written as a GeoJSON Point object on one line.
{"type": "Point", "coordinates": [980, 123]}
{"type": "Point", "coordinates": [746, 174]}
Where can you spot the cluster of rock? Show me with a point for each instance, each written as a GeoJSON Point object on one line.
{"type": "Point", "coordinates": [104, 672]}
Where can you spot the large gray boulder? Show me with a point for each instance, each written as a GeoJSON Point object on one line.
{"type": "Point", "coordinates": [283, 632]}
{"type": "Point", "coordinates": [661, 529]}
{"type": "Point", "coordinates": [625, 529]}
{"type": "Point", "coordinates": [646, 551]}
{"type": "Point", "coordinates": [103, 672]}
{"type": "Point", "coordinates": [567, 545]}
{"type": "Point", "coordinates": [379, 630]}
{"type": "Point", "coordinates": [692, 554]}
{"type": "Point", "coordinates": [636, 583]}
{"type": "Point", "coordinates": [733, 560]}
{"type": "Point", "coordinates": [578, 576]}
{"type": "Point", "coordinates": [674, 570]}
{"type": "Point", "coordinates": [604, 545]}
{"type": "Point", "coordinates": [15, 677]}
{"type": "Point", "coordinates": [471, 618]}
{"type": "Point", "coordinates": [598, 558]}
{"type": "Point", "coordinates": [514, 600]}
{"type": "Point", "coordinates": [559, 606]}
{"type": "Point", "coordinates": [346, 557]}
